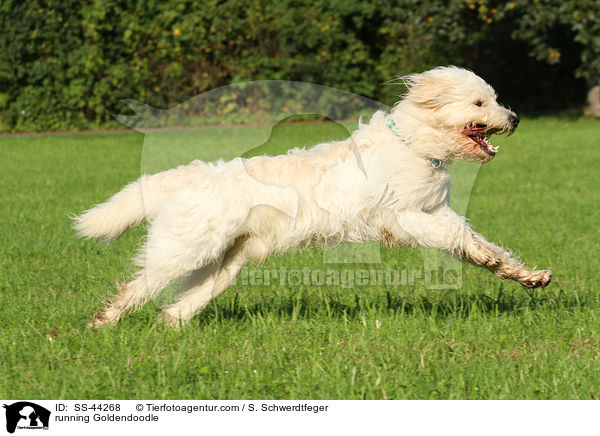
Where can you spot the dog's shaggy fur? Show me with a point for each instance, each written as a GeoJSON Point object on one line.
{"type": "Point", "coordinates": [387, 182]}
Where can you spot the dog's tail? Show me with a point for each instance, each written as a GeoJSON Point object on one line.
{"type": "Point", "coordinates": [135, 203]}
{"type": "Point", "coordinates": [109, 220]}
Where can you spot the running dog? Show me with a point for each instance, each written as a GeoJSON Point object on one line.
{"type": "Point", "coordinates": [387, 182]}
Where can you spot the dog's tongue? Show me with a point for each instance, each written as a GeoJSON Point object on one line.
{"type": "Point", "coordinates": [471, 131]}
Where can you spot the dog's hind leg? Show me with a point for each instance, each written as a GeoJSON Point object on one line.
{"type": "Point", "coordinates": [164, 260]}
{"type": "Point", "coordinates": [133, 295]}
{"type": "Point", "coordinates": [210, 282]}
{"type": "Point", "coordinates": [120, 304]}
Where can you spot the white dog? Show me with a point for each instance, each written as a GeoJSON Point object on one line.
{"type": "Point", "coordinates": [387, 182]}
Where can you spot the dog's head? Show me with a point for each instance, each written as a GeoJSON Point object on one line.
{"type": "Point", "coordinates": [462, 108]}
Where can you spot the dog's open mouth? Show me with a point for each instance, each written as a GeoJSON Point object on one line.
{"type": "Point", "coordinates": [479, 133]}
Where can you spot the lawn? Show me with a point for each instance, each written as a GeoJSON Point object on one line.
{"type": "Point", "coordinates": [489, 339]}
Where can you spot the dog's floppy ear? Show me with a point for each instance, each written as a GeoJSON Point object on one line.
{"type": "Point", "coordinates": [425, 90]}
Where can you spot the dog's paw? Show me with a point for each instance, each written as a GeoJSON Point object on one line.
{"type": "Point", "coordinates": [168, 320]}
{"type": "Point", "coordinates": [537, 279]}
{"type": "Point", "coordinates": [99, 320]}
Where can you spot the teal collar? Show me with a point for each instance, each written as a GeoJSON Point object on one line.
{"type": "Point", "coordinates": [435, 163]}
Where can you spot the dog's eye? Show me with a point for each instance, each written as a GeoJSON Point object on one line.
{"type": "Point", "coordinates": [479, 103]}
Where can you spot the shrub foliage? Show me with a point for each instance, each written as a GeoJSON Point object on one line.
{"type": "Point", "coordinates": [65, 64]}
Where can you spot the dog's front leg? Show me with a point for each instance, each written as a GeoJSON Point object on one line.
{"type": "Point", "coordinates": [481, 252]}
{"type": "Point", "coordinates": [448, 231]}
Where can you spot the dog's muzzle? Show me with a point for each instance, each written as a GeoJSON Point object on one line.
{"type": "Point", "coordinates": [479, 134]}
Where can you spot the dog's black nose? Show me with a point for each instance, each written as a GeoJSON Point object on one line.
{"type": "Point", "coordinates": [513, 120]}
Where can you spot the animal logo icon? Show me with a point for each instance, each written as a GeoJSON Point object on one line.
{"type": "Point", "coordinates": [26, 415]}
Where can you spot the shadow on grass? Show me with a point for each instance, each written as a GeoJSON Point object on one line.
{"type": "Point", "coordinates": [355, 306]}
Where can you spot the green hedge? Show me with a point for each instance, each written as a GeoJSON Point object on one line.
{"type": "Point", "coordinates": [65, 64]}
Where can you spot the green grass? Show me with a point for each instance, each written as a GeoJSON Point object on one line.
{"type": "Point", "coordinates": [488, 339]}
